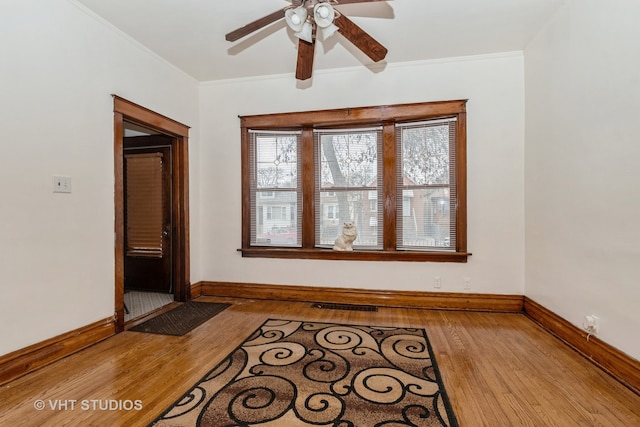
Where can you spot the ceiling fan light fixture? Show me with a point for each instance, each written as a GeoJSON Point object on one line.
{"type": "Point", "coordinates": [329, 31]}
{"type": "Point", "coordinates": [306, 32]}
{"type": "Point", "coordinates": [323, 15]}
{"type": "Point", "coordinates": [296, 18]}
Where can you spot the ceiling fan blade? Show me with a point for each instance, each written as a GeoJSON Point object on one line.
{"type": "Point", "coordinates": [360, 38]}
{"type": "Point", "coordinates": [304, 67]}
{"type": "Point", "coordinates": [255, 25]}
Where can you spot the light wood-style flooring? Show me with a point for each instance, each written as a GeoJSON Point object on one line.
{"type": "Point", "coordinates": [498, 369]}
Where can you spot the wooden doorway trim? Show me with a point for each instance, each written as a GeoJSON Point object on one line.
{"type": "Point", "coordinates": [126, 111]}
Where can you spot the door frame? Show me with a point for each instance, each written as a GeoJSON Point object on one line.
{"type": "Point", "coordinates": [127, 111]}
{"type": "Point", "coordinates": [143, 268]}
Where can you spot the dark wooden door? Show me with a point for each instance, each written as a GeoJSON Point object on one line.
{"type": "Point", "coordinates": [148, 228]}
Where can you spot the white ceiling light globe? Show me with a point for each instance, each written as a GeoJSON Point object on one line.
{"type": "Point", "coordinates": [323, 11]}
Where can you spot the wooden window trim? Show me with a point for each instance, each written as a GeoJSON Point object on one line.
{"type": "Point", "coordinates": [385, 116]}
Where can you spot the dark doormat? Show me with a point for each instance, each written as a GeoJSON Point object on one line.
{"type": "Point", "coordinates": [181, 319]}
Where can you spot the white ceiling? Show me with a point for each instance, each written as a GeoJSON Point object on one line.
{"type": "Point", "coordinates": [190, 33]}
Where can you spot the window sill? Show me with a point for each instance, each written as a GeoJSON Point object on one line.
{"type": "Point", "coordinates": [329, 254]}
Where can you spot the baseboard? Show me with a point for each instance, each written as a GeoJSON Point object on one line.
{"type": "Point", "coordinates": [621, 366]}
{"type": "Point", "coordinates": [28, 359]}
{"type": "Point", "coordinates": [196, 290]}
{"type": "Point", "coordinates": [413, 299]}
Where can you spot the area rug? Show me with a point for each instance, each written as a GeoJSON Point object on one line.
{"type": "Point", "coordinates": [293, 373]}
{"type": "Point", "coordinates": [182, 319]}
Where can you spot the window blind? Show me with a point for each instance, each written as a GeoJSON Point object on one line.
{"type": "Point", "coordinates": [276, 194]}
{"type": "Point", "coordinates": [426, 185]}
{"type": "Point", "coordinates": [349, 185]}
{"type": "Point", "coordinates": [144, 204]}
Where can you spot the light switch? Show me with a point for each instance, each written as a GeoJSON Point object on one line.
{"type": "Point", "coordinates": [61, 184]}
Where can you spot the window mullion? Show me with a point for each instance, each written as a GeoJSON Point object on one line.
{"type": "Point", "coordinates": [389, 186]}
{"type": "Point", "coordinates": [308, 189]}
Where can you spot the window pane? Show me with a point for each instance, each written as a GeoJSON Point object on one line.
{"type": "Point", "coordinates": [427, 186]}
{"type": "Point", "coordinates": [276, 193]}
{"type": "Point", "coordinates": [275, 220]}
{"type": "Point", "coordinates": [349, 159]}
{"type": "Point", "coordinates": [425, 218]}
{"type": "Point", "coordinates": [425, 154]}
{"type": "Point", "coordinates": [276, 161]}
{"type": "Point", "coordinates": [338, 207]}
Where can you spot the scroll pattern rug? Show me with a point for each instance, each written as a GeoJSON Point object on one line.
{"type": "Point", "coordinates": [293, 373]}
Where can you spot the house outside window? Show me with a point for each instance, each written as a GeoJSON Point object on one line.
{"type": "Point", "coordinates": [332, 211]}
{"type": "Point", "coordinates": [266, 194]}
{"type": "Point", "coordinates": [397, 172]}
{"type": "Point", "coordinates": [372, 196]}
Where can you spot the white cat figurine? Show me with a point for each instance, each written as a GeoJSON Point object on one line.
{"type": "Point", "coordinates": [344, 242]}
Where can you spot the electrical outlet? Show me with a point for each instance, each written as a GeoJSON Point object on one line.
{"type": "Point", "coordinates": [437, 282]}
{"type": "Point", "coordinates": [61, 184]}
{"type": "Point", "coordinates": [467, 282]}
{"type": "Point", "coordinates": [591, 324]}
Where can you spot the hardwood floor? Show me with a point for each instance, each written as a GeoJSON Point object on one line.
{"type": "Point", "coordinates": [499, 369]}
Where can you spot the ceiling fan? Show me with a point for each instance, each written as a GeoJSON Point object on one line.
{"type": "Point", "coordinates": [305, 18]}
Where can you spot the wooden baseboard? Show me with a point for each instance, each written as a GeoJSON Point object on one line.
{"type": "Point", "coordinates": [28, 359]}
{"type": "Point", "coordinates": [413, 299]}
{"type": "Point", "coordinates": [621, 366]}
{"type": "Point", "coordinates": [196, 290]}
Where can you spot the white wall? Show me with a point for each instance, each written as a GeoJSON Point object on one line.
{"type": "Point", "coordinates": [582, 175]}
{"type": "Point", "coordinates": [59, 66]}
{"type": "Point", "coordinates": [494, 87]}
